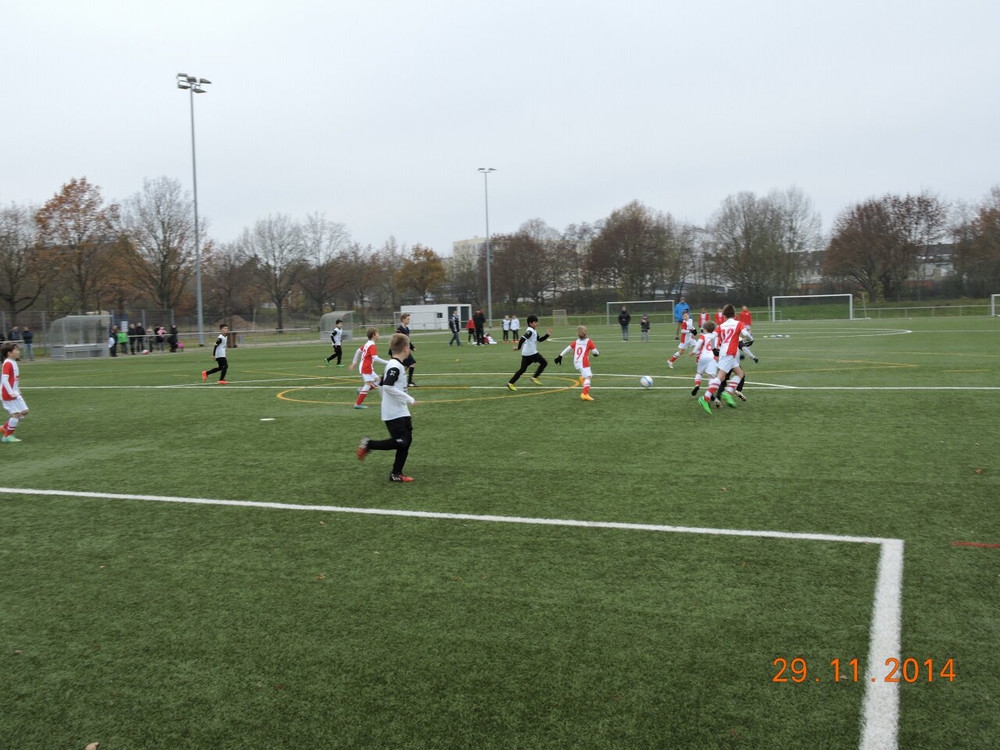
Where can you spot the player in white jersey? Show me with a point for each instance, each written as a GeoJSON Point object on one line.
{"type": "Point", "coordinates": [687, 337]}
{"type": "Point", "coordinates": [729, 334]}
{"type": "Point", "coordinates": [704, 350]}
{"type": "Point", "coordinates": [528, 346]}
{"type": "Point", "coordinates": [396, 404]}
{"type": "Point", "coordinates": [337, 339]}
{"type": "Point", "coordinates": [582, 350]}
{"type": "Point", "coordinates": [219, 352]}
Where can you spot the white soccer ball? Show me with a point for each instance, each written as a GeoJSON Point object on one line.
{"type": "Point", "coordinates": [646, 382]}
{"type": "Point", "coordinates": [145, 351]}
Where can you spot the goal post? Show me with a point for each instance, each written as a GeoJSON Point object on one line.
{"type": "Point", "coordinates": [658, 310]}
{"type": "Point", "coordinates": [812, 307]}
{"type": "Point", "coordinates": [994, 299]}
{"type": "Point", "coordinates": [559, 318]}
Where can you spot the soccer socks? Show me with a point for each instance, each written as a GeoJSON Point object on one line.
{"type": "Point", "coordinates": [364, 392]}
{"type": "Point", "coordinates": [733, 382]}
{"type": "Point", "coordinates": [713, 386]}
{"type": "Point", "coordinates": [586, 385]}
{"type": "Point", "coordinates": [8, 428]}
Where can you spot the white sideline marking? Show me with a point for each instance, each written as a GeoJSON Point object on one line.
{"type": "Point", "coordinates": [880, 716]}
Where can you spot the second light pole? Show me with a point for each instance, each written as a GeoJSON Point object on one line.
{"type": "Point", "coordinates": [489, 265]}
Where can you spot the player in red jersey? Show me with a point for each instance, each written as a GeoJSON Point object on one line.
{"type": "Point", "coordinates": [729, 334]}
{"type": "Point", "coordinates": [367, 355]}
{"type": "Point", "coordinates": [582, 349]}
{"type": "Point", "coordinates": [10, 390]}
{"type": "Point", "coordinates": [687, 340]}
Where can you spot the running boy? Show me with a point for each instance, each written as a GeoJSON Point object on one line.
{"type": "Point", "coordinates": [704, 350]}
{"type": "Point", "coordinates": [10, 390]}
{"type": "Point", "coordinates": [396, 404]}
{"type": "Point", "coordinates": [410, 361]}
{"type": "Point", "coordinates": [219, 352]}
{"type": "Point", "coordinates": [367, 355]}
{"type": "Point", "coordinates": [582, 348]}
{"type": "Point", "coordinates": [688, 332]}
{"type": "Point", "coordinates": [337, 339]}
{"type": "Point", "coordinates": [528, 345]}
{"type": "Point", "coordinates": [730, 333]}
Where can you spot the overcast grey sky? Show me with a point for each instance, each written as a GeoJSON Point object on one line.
{"type": "Point", "coordinates": [377, 113]}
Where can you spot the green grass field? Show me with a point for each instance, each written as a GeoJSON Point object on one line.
{"type": "Point", "coordinates": [139, 612]}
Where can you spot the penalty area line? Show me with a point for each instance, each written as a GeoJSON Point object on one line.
{"type": "Point", "coordinates": [880, 713]}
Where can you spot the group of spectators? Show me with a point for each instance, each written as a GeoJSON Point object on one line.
{"type": "Point", "coordinates": [25, 336]}
{"type": "Point", "coordinates": [136, 339]}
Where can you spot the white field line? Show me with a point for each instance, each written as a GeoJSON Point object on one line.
{"type": "Point", "coordinates": [880, 718]}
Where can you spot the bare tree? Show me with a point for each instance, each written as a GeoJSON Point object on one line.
{"type": "Point", "coordinates": [977, 247]}
{"type": "Point", "coordinates": [158, 229]}
{"type": "Point", "coordinates": [323, 240]}
{"type": "Point", "coordinates": [26, 268]}
{"type": "Point", "coordinates": [275, 245]}
{"type": "Point", "coordinates": [363, 274]}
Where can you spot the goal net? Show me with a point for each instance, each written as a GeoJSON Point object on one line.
{"type": "Point", "coordinates": [812, 307]}
{"type": "Point", "coordinates": [329, 320]}
{"type": "Point", "coordinates": [658, 310]}
{"type": "Point", "coordinates": [559, 318]}
{"type": "Point", "coordinates": [994, 299]}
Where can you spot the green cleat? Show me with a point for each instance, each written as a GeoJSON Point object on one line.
{"type": "Point", "coordinates": [727, 397]}
{"type": "Point", "coordinates": [10, 439]}
{"type": "Point", "coordinates": [705, 405]}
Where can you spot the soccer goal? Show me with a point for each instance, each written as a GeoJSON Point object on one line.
{"type": "Point", "coordinates": [994, 298]}
{"type": "Point", "coordinates": [658, 310]}
{"type": "Point", "coordinates": [812, 307]}
{"type": "Point", "coordinates": [329, 320]}
{"type": "Point", "coordinates": [559, 318]}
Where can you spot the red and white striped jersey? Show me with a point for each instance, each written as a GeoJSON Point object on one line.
{"type": "Point", "coordinates": [729, 334]}
{"type": "Point", "coordinates": [687, 332]}
{"type": "Point", "coordinates": [368, 354]}
{"type": "Point", "coordinates": [706, 344]}
{"type": "Point", "coordinates": [703, 318]}
{"type": "Point", "coordinates": [581, 352]}
{"type": "Point", "coordinates": [11, 377]}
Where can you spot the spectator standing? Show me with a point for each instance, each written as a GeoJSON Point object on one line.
{"type": "Point", "coordinates": [515, 327]}
{"type": "Point", "coordinates": [480, 319]}
{"type": "Point", "coordinates": [172, 339]}
{"type": "Point", "coordinates": [28, 336]}
{"type": "Point", "coordinates": [471, 328]}
{"type": "Point", "coordinates": [455, 324]}
{"type": "Point", "coordinates": [123, 341]}
{"type": "Point", "coordinates": [623, 320]}
{"type": "Point", "coordinates": [506, 327]}
{"type": "Point", "coordinates": [644, 327]}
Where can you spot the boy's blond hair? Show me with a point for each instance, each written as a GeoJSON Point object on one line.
{"type": "Point", "coordinates": [581, 332]}
{"type": "Point", "coordinates": [372, 332]}
{"type": "Point", "coordinates": [397, 342]}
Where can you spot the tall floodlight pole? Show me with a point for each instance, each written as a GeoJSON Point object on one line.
{"type": "Point", "coordinates": [489, 264]}
{"type": "Point", "coordinates": [195, 85]}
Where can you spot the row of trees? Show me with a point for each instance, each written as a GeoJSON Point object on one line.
{"type": "Point", "coordinates": [80, 253]}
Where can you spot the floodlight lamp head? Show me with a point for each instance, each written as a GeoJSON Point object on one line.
{"type": "Point", "coordinates": [203, 80]}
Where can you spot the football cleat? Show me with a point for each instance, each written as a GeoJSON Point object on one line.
{"type": "Point", "coordinates": [705, 405]}
{"type": "Point", "coordinates": [728, 398]}
{"type": "Point", "coordinates": [670, 364]}
{"type": "Point", "coordinates": [586, 397]}
{"type": "Point", "coordinates": [755, 360]}
{"type": "Point", "coordinates": [740, 396]}
{"type": "Point", "coordinates": [512, 386]}
{"type": "Point", "coordinates": [694, 391]}
{"type": "Point", "coordinates": [10, 439]}
{"type": "Point", "coordinates": [360, 406]}
{"type": "Point", "coordinates": [536, 381]}
{"type": "Point", "coordinates": [204, 375]}
{"type": "Point", "coordinates": [362, 449]}
{"type": "Point", "coordinates": [400, 478]}
{"type": "Point", "coordinates": [223, 382]}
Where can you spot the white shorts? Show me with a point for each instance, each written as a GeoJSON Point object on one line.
{"type": "Point", "coordinates": [585, 372]}
{"type": "Point", "coordinates": [708, 366]}
{"type": "Point", "coordinates": [15, 405]}
{"type": "Point", "coordinates": [373, 378]}
{"type": "Point", "coordinates": [728, 363]}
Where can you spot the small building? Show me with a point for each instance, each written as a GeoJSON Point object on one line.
{"type": "Point", "coordinates": [434, 317]}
